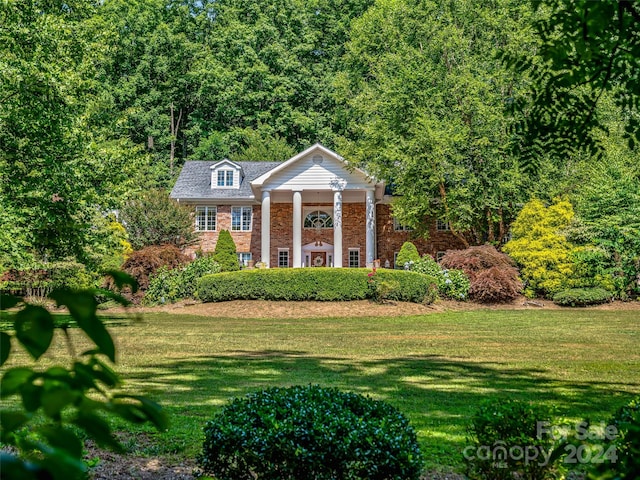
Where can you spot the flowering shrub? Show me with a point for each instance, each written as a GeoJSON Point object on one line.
{"type": "Point", "coordinates": [380, 290]}
{"type": "Point", "coordinates": [452, 283]}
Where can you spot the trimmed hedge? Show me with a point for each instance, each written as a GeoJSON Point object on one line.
{"type": "Point", "coordinates": [582, 297]}
{"type": "Point", "coordinates": [310, 432]}
{"type": "Point", "coordinates": [321, 284]}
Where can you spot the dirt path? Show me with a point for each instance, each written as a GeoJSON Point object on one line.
{"type": "Point", "coordinates": [358, 308]}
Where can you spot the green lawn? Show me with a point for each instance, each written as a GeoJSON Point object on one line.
{"type": "Point", "coordinates": [436, 368]}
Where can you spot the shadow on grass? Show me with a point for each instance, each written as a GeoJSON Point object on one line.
{"type": "Point", "coordinates": [438, 394]}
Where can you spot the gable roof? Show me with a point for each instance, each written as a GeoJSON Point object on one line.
{"type": "Point", "coordinates": [225, 161]}
{"type": "Point", "coordinates": [194, 182]}
{"type": "Point", "coordinates": [260, 181]}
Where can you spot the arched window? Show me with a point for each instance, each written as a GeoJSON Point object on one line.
{"type": "Point", "coordinates": [318, 219]}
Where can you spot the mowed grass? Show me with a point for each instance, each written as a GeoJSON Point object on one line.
{"type": "Point", "coordinates": [436, 368]}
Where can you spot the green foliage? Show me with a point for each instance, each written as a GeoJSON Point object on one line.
{"type": "Point", "coordinates": [321, 284]}
{"type": "Point", "coordinates": [586, 49]}
{"type": "Point", "coordinates": [168, 285]}
{"type": "Point", "coordinates": [626, 446]}
{"type": "Point", "coordinates": [492, 274]}
{"type": "Point", "coordinates": [452, 283]}
{"type": "Point", "coordinates": [40, 279]}
{"type": "Point", "coordinates": [58, 402]}
{"type": "Point", "coordinates": [381, 290]}
{"type": "Point", "coordinates": [142, 264]}
{"type": "Point", "coordinates": [607, 207]}
{"type": "Point", "coordinates": [495, 429]}
{"type": "Point", "coordinates": [152, 218]}
{"type": "Point", "coordinates": [408, 253]}
{"type": "Point", "coordinates": [225, 252]}
{"type": "Point", "coordinates": [540, 247]}
{"type": "Point", "coordinates": [259, 148]}
{"type": "Point", "coordinates": [305, 432]}
{"type": "Point", "coordinates": [424, 98]}
{"type": "Point", "coordinates": [582, 297]}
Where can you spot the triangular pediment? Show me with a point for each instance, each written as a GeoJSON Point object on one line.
{"type": "Point", "coordinates": [316, 168]}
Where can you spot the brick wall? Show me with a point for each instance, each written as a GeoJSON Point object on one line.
{"type": "Point", "coordinates": [245, 241]}
{"type": "Point", "coordinates": [389, 241]}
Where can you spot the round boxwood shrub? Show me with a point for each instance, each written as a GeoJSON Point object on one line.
{"type": "Point", "coordinates": [582, 297]}
{"type": "Point", "coordinates": [499, 432]}
{"type": "Point", "coordinates": [310, 432]}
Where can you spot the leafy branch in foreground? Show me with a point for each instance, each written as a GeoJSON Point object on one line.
{"type": "Point", "coordinates": [59, 403]}
{"type": "Point", "coordinates": [587, 49]}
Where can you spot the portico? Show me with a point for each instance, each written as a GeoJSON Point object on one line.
{"type": "Point", "coordinates": [317, 180]}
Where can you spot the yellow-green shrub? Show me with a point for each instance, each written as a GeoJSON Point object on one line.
{"type": "Point", "coordinates": [540, 248]}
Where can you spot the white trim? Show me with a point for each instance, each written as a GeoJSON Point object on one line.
{"type": "Point", "coordinates": [265, 219]}
{"type": "Point", "coordinates": [370, 218]}
{"type": "Point", "coordinates": [284, 250]}
{"type": "Point", "coordinates": [297, 229]}
{"type": "Point", "coordinates": [242, 229]}
{"type": "Point", "coordinates": [337, 229]}
{"type": "Point", "coordinates": [207, 210]}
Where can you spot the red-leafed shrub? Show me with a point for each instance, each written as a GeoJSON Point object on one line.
{"type": "Point", "coordinates": [493, 275]}
{"type": "Point", "coordinates": [142, 263]}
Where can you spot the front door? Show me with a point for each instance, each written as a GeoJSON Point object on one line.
{"type": "Point", "coordinates": [318, 259]}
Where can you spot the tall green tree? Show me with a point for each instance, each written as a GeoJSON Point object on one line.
{"type": "Point", "coordinates": [425, 99]}
{"type": "Point", "coordinates": [152, 218]}
{"type": "Point", "coordinates": [44, 86]}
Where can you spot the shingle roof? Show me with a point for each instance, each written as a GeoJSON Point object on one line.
{"type": "Point", "coordinates": [194, 181]}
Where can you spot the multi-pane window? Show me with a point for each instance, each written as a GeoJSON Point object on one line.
{"type": "Point", "coordinates": [398, 227]}
{"type": "Point", "coordinates": [318, 219]}
{"type": "Point", "coordinates": [225, 178]}
{"type": "Point", "coordinates": [354, 257]}
{"type": "Point", "coordinates": [206, 218]}
{"type": "Point", "coordinates": [241, 219]}
{"type": "Point", "coordinates": [442, 225]}
{"type": "Point", "coordinates": [243, 258]}
{"type": "Point", "coordinates": [283, 257]}
{"type": "Point", "coordinates": [439, 256]}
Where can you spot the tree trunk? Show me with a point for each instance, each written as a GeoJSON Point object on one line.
{"type": "Point", "coordinates": [443, 196]}
{"type": "Point", "coordinates": [175, 127]}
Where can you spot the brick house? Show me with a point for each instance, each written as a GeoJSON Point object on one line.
{"type": "Point", "coordinates": [311, 210]}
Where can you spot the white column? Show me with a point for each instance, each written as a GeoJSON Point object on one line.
{"type": "Point", "coordinates": [371, 228]}
{"type": "Point", "coordinates": [266, 228]}
{"type": "Point", "coordinates": [297, 229]}
{"type": "Point", "coordinates": [337, 229]}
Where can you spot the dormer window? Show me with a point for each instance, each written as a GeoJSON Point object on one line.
{"type": "Point", "coordinates": [225, 178]}
{"type": "Point", "coordinates": [226, 174]}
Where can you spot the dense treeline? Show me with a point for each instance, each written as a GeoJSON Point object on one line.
{"type": "Point", "coordinates": [101, 100]}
